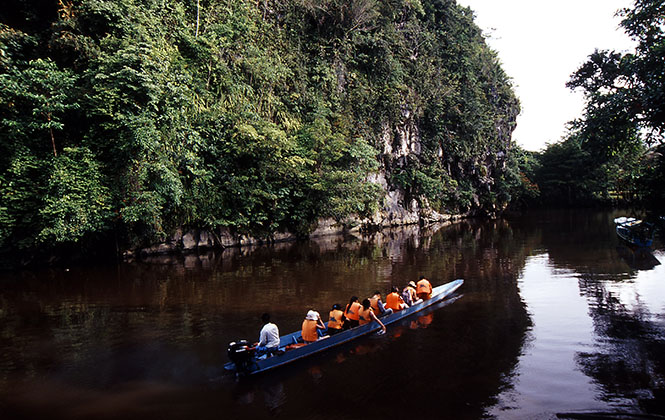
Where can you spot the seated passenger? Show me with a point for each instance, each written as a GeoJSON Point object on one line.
{"type": "Point", "coordinates": [409, 294]}
{"type": "Point", "coordinates": [311, 326]}
{"type": "Point", "coordinates": [377, 306]}
{"type": "Point", "coordinates": [351, 313]}
{"type": "Point", "coordinates": [268, 337]}
{"type": "Point", "coordinates": [424, 288]}
{"type": "Point", "coordinates": [366, 315]}
{"type": "Point", "coordinates": [394, 301]}
{"type": "Point", "coordinates": [336, 321]}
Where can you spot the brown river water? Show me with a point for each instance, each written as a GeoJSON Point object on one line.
{"type": "Point", "coordinates": [556, 319]}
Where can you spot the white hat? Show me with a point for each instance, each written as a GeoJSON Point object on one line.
{"type": "Point", "coordinates": [312, 315]}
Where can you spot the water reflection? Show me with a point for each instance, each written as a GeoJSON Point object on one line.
{"type": "Point", "coordinates": [626, 300]}
{"type": "Point", "coordinates": [597, 347]}
{"type": "Point", "coordinates": [637, 258]}
{"type": "Point", "coordinates": [153, 334]}
{"type": "Point", "coordinates": [629, 361]}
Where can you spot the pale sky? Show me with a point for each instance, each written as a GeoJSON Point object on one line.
{"type": "Point", "coordinates": [540, 44]}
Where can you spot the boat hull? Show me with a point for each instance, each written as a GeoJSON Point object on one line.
{"type": "Point", "coordinates": [625, 234]}
{"type": "Point", "coordinates": [261, 365]}
{"type": "Point", "coordinates": [635, 232]}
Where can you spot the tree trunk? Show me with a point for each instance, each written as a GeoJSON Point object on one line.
{"type": "Point", "coordinates": [55, 152]}
{"type": "Point", "coordinates": [198, 7]}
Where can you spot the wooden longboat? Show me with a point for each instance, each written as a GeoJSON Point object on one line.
{"type": "Point", "coordinates": [262, 364]}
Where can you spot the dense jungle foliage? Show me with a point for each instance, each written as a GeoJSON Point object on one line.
{"type": "Point", "coordinates": [125, 119]}
{"type": "Point", "coordinates": [616, 150]}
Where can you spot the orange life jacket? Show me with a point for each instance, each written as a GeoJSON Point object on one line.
{"type": "Point", "coordinates": [352, 311]}
{"type": "Point", "coordinates": [424, 288]}
{"type": "Point", "coordinates": [394, 301]}
{"type": "Point", "coordinates": [374, 303]}
{"type": "Point", "coordinates": [364, 316]}
{"type": "Point", "coordinates": [309, 332]}
{"type": "Point", "coordinates": [335, 321]}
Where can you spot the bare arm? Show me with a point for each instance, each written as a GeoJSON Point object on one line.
{"type": "Point", "coordinates": [374, 318]}
{"type": "Point", "coordinates": [320, 325]}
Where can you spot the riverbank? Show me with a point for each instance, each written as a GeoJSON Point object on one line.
{"type": "Point", "coordinates": [195, 247]}
{"type": "Point", "coordinates": [328, 233]}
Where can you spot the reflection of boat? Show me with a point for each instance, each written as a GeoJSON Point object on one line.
{"type": "Point", "coordinates": [638, 258]}
{"type": "Point", "coordinates": [634, 231]}
{"type": "Point", "coordinates": [244, 361]}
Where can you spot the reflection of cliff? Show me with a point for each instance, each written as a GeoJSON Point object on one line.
{"type": "Point", "coordinates": [169, 320]}
{"type": "Point", "coordinates": [630, 363]}
{"type": "Point", "coordinates": [99, 318]}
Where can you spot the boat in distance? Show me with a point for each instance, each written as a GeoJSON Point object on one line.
{"type": "Point", "coordinates": [246, 363]}
{"type": "Point", "coordinates": [634, 231]}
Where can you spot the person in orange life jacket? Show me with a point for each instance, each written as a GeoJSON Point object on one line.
{"type": "Point", "coordinates": [268, 337]}
{"type": "Point", "coordinates": [377, 306]}
{"type": "Point", "coordinates": [394, 301]}
{"type": "Point", "coordinates": [336, 321]}
{"type": "Point", "coordinates": [424, 288]}
{"type": "Point", "coordinates": [311, 326]}
{"type": "Point", "coordinates": [409, 294]}
{"type": "Point", "coordinates": [351, 313]}
{"type": "Point", "coordinates": [366, 315]}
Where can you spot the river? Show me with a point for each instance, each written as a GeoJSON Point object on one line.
{"type": "Point", "coordinates": [556, 319]}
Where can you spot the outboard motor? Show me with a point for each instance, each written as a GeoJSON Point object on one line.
{"type": "Point", "coordinates": [241, 354]}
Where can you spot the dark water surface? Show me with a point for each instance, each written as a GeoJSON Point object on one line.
{"type": "Point", "coordinates": [556, 316]}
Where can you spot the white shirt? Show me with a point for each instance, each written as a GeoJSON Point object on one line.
{"type": "Point", "coordinates": [269, 336]}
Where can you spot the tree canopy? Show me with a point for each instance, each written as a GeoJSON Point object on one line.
{"type": "Point", "coordinates": [130, 118]}
{"type": "Point", "coordinates": [617, 144]}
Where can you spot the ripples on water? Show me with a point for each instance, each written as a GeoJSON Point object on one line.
{"type": "Point", "coordinates": [555, 316]}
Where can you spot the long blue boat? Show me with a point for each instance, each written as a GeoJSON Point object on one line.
{"type": "Point", "coordinates": [252, 365]}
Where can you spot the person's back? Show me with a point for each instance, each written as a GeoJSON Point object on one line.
{"type": "Point", "coordinates": [268, 337]}
{"type": "Point", "coordinates": [364, 316]}
{"type": "Point", "coordinates": [351, 312]}
{"type": "Point", "coordinates": [310, 326]}
{"type": "Point", "coordinates": [374, 303]}
{"type": "Point", "coordinates": [377, 305]}
{"type": "Point", "coordinates": [409, 294]}
{"type": "Point", "coordinates": [336, 321]}
{"type": "Point", "coordinates": [424, 288]}
{"type": "Point", "coordinates": [308, 332]}
{"type": "Point", "coordinates": [394, 301]}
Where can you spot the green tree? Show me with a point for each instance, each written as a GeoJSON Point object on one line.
{"type": "Point", "coordinates": [76, 202]}
{"type": "Point", "coordinates": [34, 96]}
{"type": "Point", "coordinates": [624, 110]}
